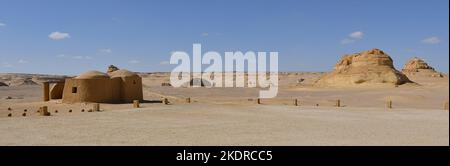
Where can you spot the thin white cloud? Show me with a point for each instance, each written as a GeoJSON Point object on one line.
{"type": "Point", "coordinates": [134, 61]}
{"type": "Point", "coordinates": [353, 37]}
{"type": "Point", "coordinates": [59, 35]}
{"type": "Point", "coordinates": [21, 61]}
{"type": "Point", "coordinates": [7, 65]}
{"type": "Point", "coordinates": [164, 62]}
{"type": "Point", "coordinates": [105, 51]}
{"type": "Point", "coordinates": [77, 57]}
{"type": "Point", "coordinates": [347, 41]}
{"type": "Point", "coordinates": [206, 34]}
{"type": "Point", "coordinates": [2, 24]}
{"type": "Point", "coordinates": [431, 40]}
{"type": "Point", "coordinates": [82, 57]}
{"type": "Point", "coordinates": [356, 35]}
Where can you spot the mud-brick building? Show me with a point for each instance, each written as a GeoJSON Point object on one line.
{"type": "Point", "coordinates": [119, 86]}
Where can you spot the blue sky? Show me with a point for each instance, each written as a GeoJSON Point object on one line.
{"type": "Point", "coordinates": [72, 36]}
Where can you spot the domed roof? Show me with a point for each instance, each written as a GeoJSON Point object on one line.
{"type": "Point", "coordinates": [92, 75]}
{"type": "Point", "coordinates": [122, 73]}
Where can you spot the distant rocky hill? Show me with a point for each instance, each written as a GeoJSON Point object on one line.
{"type": "Point", "coordinates": [417, 66]}
{"type": "Point", "coordinates": [365, 68]}
{"type": "Point", "coordinates": [3, 84]}
{"type": "Point", "coordinates": [20, 79]}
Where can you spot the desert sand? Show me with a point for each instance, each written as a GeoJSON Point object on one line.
{"type": "Point", "coordinates": [230, 116]}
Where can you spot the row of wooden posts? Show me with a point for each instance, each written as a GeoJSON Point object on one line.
{"type": "Point", "coordinates": [338, 103]}
{"type": "Point", "coordinates": [188, 100]}
{"type": "Point", "coordinates": [295, 102]}
{"type": "Point", "coordinates": [43, 111]}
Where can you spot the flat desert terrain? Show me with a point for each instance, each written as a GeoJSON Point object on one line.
{"type": "Point", "coordinates": [231, 116]}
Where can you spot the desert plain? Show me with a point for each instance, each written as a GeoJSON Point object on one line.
{"type": "Point", "coordinates": [231, 116]}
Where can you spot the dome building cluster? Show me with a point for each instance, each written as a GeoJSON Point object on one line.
{"type": "Point", "coordinates": [117, 86]}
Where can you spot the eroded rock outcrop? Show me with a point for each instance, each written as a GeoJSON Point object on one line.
{"type": "Point", "coordinates": [417, 66]}
{"type": "Point", "coordinates": [372, 67]}
{"type": "Point", "coordinates": [112, 68]}
{"type": "Point", "coordinates": [22, 82]}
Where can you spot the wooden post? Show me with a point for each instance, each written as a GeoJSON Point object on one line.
{"type": "Point", "coordinates": [258, 101]}
{"type": "Point", "coordinates": [46, 88]}
{"type": "Point", "coordinates": [44, 111]}
{"type": "Point", "coordinates": [338, 103]}
{"type": "Point", "coordinates": [135, 103]}
{"type": "Point", "coordinates": [295, 102]}
{"type": "Point", "coordinates": [389, 104]}
{"type": "Point", "coordinates": [96, 107]}
{"type": "Point", "coordinates": [188, 100]}
{"type": "Point", "coordinates": [41, 111]}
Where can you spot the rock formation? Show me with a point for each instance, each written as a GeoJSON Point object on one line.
{"type": "Point", "coordinates": [372, 67]}
{"type": "Point", "coordinates": [112, 68]}
{"type": "Point", "coordinates": [415, 64]}
{"type": "Point", "coordinates": [19, 79]}
{"type": "Point", "coordinates": [22, 82]}
{"type": "Point", "coordinates": [418, 66]}
{"type": "Point", "coordinates": [3, 84]}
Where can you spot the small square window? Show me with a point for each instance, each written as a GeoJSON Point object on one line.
{"type": "Point", "coordinates": [74, 89]}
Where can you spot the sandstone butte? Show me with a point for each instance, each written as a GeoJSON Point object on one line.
{"type": "Point", "coordinates": [417, 66]}
{"type": "Point", "coordinates": [367, 68]}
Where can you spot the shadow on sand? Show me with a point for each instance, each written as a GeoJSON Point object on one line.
{"type": "Point", "coordinates": [151, 101]}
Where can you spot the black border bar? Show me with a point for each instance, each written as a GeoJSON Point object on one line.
{"type": "Point", "coordinates": [168, 154]}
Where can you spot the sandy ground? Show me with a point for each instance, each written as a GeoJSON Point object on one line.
{"type": "Point", "coordinates": [229, 116]}
{"type": "Point", "coordinates": [204, 124]}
